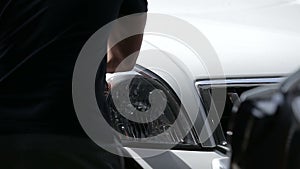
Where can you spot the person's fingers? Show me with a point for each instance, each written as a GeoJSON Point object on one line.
{"type": "Point", "coordinates": [107, 88]}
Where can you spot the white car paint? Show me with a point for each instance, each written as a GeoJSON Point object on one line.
{"type": "Point", "coordinates": [252, 38]}
{"type": "Point", "coordinates": [191, 159]}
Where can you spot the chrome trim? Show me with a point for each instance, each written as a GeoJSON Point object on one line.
{"type": "Point", "coordinates": [247, 82]}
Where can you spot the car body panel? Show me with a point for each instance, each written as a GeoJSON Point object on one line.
{"type": "Point", "coordinates": [179, 159]}
{"type": "Point", "coordinates": [250, 40]}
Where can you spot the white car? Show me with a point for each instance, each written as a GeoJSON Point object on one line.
{"type": "Point", "coordinates": [257, 43]}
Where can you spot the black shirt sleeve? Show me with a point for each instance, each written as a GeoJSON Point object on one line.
{"type": "Point", "coordinates": [133, 6]}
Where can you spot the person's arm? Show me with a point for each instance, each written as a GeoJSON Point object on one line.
{"type": "Point", "coordinates": [122, 56]}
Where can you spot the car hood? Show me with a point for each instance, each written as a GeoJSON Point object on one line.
{"type": "Point", "coordinates": [251, 38]}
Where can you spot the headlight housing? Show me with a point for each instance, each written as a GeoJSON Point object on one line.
{"type": "Point", "coordinates": [140, 83]}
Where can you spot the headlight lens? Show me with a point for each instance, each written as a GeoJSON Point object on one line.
{"type": "Point", "coordinates": [140, 87]}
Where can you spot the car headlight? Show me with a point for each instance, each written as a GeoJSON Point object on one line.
{"type": "Point", "coordinates": [140, 83]}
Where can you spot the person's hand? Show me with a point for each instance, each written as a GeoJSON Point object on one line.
{"type": "Point", "coordinates": [107, 88]}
